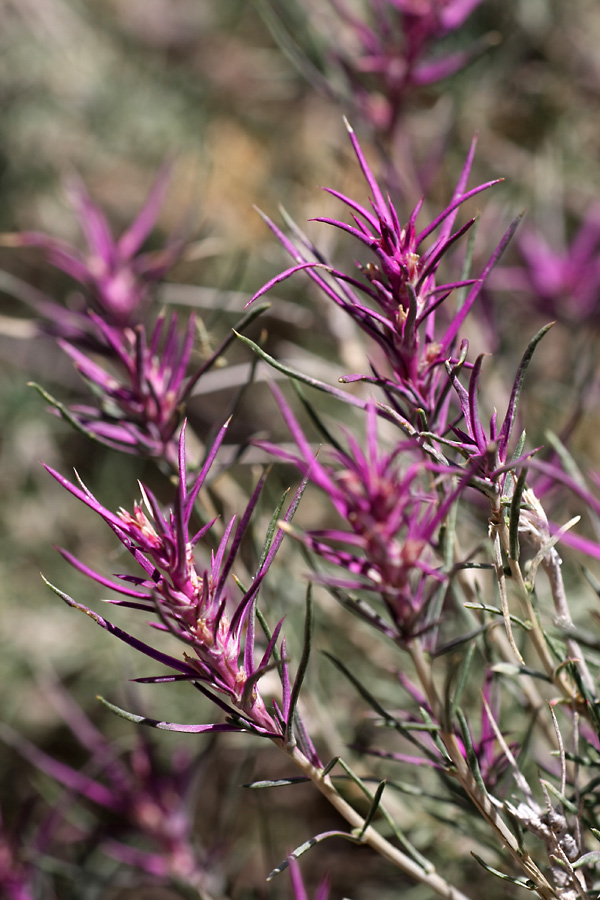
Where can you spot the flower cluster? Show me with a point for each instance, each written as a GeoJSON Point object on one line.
{"type": "Point", "coordinates": [141, 398]}
{"type": "Point", "coordinates": [563, 282]}
{"type": "Point", "coordinates": [396, 300]}
{"type": "Point", "coordinates": [391, 513]}
{"type": "Point", "coordinates": [392, 52]}
{"type": "Point", "coordinates": [193, 603]}
{"type": "Point", "coordinates": [116, 276]}
{"type": "Point", "coordinates": [147, 798]}
{"type": "Point", "coordinates": [138, 373]}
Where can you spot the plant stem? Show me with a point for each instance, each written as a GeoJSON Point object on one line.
{"type": "Point", "coordinates": [558, 676]}
{"type": "Point", "coordinates": [371, 837]}
{"type": "Point", "coordinates": [478, 796]}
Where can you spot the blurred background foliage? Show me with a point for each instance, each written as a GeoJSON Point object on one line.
{"type": "Point", "coordinates": [235, 99]}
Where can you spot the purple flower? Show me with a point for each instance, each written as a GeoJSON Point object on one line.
{"type": "Point", "coordinates": [147, 799]}
{"type": "Point", "coordinates": [16, 873]}
{"type": "Point", "coordinates": [391, 514]}
{"type": "Point", "coordinates": [193, 602]}
{"type": "Point", "coordinates": [396, 300]}
{"type": "Point", "coordinates": [391, 52]}
{"type": "Point", "coordinates": [490, 757]}
{"type": "Point", "coordinates": [26, 843]}
{"type": "Point", "coordinates": [115, 273]}
{"type": "Point", "coordinates": [141, 394]}
{"type": "Point", "coordinates": [487, 450]}
{"type": "Point", "coordinates": [563, 282]}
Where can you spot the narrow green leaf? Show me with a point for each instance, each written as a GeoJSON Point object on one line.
{"type": "Point", "coordinates": [406, 845]}
{"type": "Point", "coordinates": [471, 756]}
{"type": "Point", "coordinates": [518, 452]}
{"type": "Point", "coordinates": [515, 511]}
{"type": "Point", "coordinates": [275, 518]}
{"type": "Point", "coordinates": [498, 612]}
{"type": "Point", "coordinates": [359, 607]}
{"type": "Point", "coordinates": [513, 403]}
{"type": "Point", "coordinates": [362, 690]}
{"type": "Point", "coordinates": [438, 741]}
{"type": "Point", "coordinates": [330, 765]}
{"type": "Point", "coordinates": [299, 851]}
{"type": "Point", "coordinates": [281, 782]}
{"type": "Point", "coordinates": [568, 804]}
{"type": "Point", "coordinates": [591, 858]}
{"type": "Point", "coordinates": [68, 416]}
{"type": "Point", "coordinates": [517, 828]}
{"type": "Point", "coordinates": [430, 727]}
{"type": "Point", "coordinates": [591, 579]}
{"type": "Point", "coordinates": [302, 666]}
{"type": "Point", "coordinates": [520, 882]}
{"type": "Point", "coordinates": [316, 419]}
{"type": "Point", "coordinates": [299, 376]}
{"type": "Point", "coordinates": [464, 672]}
{"type": "Point", "coordinates": [460, 641]}
{"type": "Point", "coordinates": [567, 460]}
{"type": "Point", "coordinates": [512, 669]}
{"type": "Point", "coordinates": [373, 809]}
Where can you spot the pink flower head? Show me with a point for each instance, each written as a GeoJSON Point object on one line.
{"type": "Point", "coordinates": [140, 393]}
{"type": "Point", "coordinates": [391, 53]}
{"type": "Point", "coordinates": [117, 275]}
{"type": "Point", "coordinates": [194, 602]}
{"type": "Point", "coordinates": [562, 281]}
{"type": "Point", "coordinates": [390, 515]}
{"type": "Point", "coordinates": [396, 299]}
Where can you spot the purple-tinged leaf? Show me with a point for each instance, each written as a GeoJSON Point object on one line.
{"type": "Point", "coordinates": [167, 726]}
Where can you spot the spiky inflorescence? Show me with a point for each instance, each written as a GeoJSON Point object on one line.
{"type": "Point", "coordinates": [396, 300]}
{"type": "Point", "coordinates": [193, 602]}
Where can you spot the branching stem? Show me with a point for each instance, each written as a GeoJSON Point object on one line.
{"type": "Point", "coordinates": [370, 836]}
{"type": "Point", "coordinates": [479, 797]}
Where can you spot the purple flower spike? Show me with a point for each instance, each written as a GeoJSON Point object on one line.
{"type": "Point", "coordinates": [391, 52]}
{"type": "Point", "coordinates": [146, 798]}
{"type": "Point", "coordinates": [114, 271]}
{"type": "Point", "coordinates": [390, 518]}
{"type": "Point", "coordinates": [141, 397]}
{"type": "Point", "coordinates": [563, 282]}
{"type": "Point", "coordinates": [488, 451]}
{"type": "Point", "coordinates": [396, 300]}
{"type": "Point", "coordinates": [193, 602]}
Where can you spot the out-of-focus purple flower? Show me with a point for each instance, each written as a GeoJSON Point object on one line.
{"type": "Point", "coordinates": [322, 891]}
{"type": "Point", "coordinates": [16, 873]}
{"type": "Point", "coordinates": [562, 282]}
{"type": "Point", "coordinates": [150, 801]}
{"type": "Point", "coordinates": [193, 602]}
{"type": "Point", "coordinates": [396, 300]}
{"type": "Point", "coordinates": [491, 759]}
{"type": "Point", "coordinates": [390, 518]}
{"type": "Point", "coordinates": [115, 273]}
{"type": "Point", "coordinates": [392, 54]}
{"type": "Point", "coordinates": [26, 844]}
